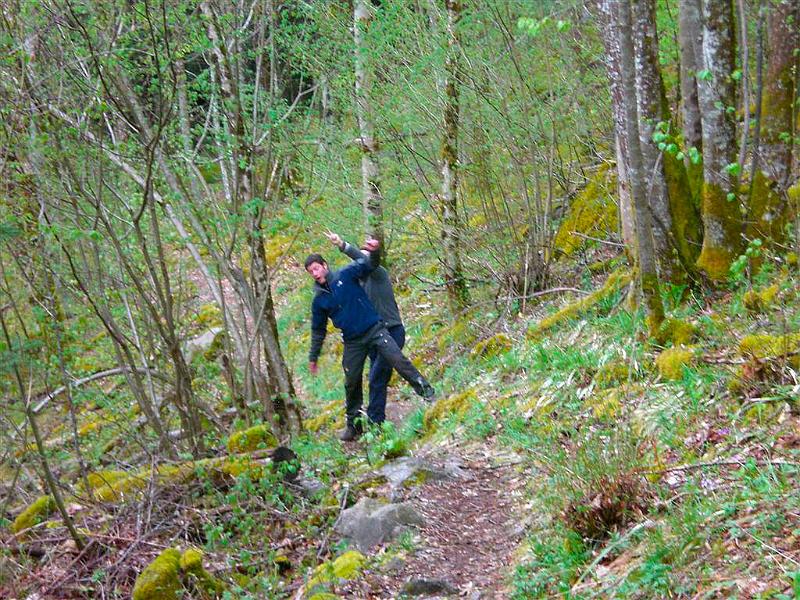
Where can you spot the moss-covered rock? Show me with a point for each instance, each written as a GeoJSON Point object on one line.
{"type": "Point", "coordinates": [615, 282]}
{"type": "Point", "coordinates": [670, 362]}
{"type": "Point", "coordinates": [348, 566]}
{"type": "Point", "coordinates": [252, 439]}
{"type": "Point", "coordinates": [37, 512]}
{"type": "Point", "coordinates": [456, 404]}
{"type": "Point", "coordinates": [676, 331]}
{"type": "Point", "coordinates": [160, 580]}
{"type": "Point", "coordinates": [191, 563]}
{"type": "Point", "coordinates": [593, 212]}
{"type": "Point", "coordinates": [492, 346]}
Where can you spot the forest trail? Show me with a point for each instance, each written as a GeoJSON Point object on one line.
{"type": "Point", "coordinates": [471, 530]}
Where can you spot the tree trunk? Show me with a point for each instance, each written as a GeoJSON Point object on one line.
{"type": "Point", "coordinates": [772, 177]}
{"type": "Point", "coordinates": [606, 18]}
{"type": "Point", "coordinates": [451, 234]}
{"type": "Point", "coordinates": [676, 224]}
{"type": "Point", "coordinates": [648, 277]}
{"type": "Point", "coordinates": [370, 174]}
{"type": "Point", "coordinates": [720, 208]}
{"type": "Point", "coordinates": [690, 41]}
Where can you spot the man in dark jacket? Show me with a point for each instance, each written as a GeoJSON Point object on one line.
{"type": "Point", "coordinates": [340, 297]}
{"type": "Point", "coordinates": [378, 287]}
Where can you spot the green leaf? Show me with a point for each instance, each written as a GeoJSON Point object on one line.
{"type": "Point", "coordinates": [680, 156]}
{"type": "Point", "coordinates": [736, 75]}
{"type": "Point", "coordinates": [672, 148]}
{"type": "Point", "coordinates": [733, 169]}
{"type": "Point", "coordinates": [705, 75]}
{"type": "Point", "coordinates": [731, 197]}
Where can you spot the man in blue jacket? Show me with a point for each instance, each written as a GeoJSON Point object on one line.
{"type": "Point", "coordinates": [340, 297]}
{"type": "Point", "coordinates": [378, 286]}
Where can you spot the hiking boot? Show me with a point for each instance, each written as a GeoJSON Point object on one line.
{"type": "Point", "coordinates": [350, 433]}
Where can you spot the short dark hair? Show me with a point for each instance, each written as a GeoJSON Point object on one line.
{"type": "Point", "coordinates": [314, 258]}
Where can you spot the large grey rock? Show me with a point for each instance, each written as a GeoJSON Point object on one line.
{"type": "Point", "coordinates": [371, 522]}
{"type": "Point", "coordinates": [428, 587]}
{"type": "Point", "coordinates": [408, 470]}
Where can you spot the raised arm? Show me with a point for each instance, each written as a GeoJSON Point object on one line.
{"type": "Point", "coordinates": [347, 248]}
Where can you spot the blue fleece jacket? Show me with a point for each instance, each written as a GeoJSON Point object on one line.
{"type": "Point", "coordinates": [342, 299]}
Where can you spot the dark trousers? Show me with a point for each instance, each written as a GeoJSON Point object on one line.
{"type": "Point", "coordinates": [380, 372]}
{"type": "Point", "coordinates": [356, 350]}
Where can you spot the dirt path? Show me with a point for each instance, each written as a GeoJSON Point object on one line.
{"type": "Point", "coordinates": [469, 539]}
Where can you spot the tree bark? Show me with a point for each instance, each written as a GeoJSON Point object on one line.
{"type": "Point", "coordinates": [676, 231]}
{"type": "Point", "coordinates": [690, 41]}
{"type": "Point", "coordinates": [720, 208]}
{"type": "Point", "coordinates": [457, 292]}
{"type": "Point", "coordinates": [648, 277]}
{"type": "Point", "coordinates": [772, 178]}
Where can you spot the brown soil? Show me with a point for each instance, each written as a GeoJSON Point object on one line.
{"type": "Point", "coordinates": [468, 541]}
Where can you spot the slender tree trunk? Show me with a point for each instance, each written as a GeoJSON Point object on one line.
{"type": "Point", "coordinates": [676, 220]}
{"type": "Point", "coordinates": [691, 53]}
{"type": "Point", "coordinates": [772, 178]}
{"type": "Point", "coordinates": [457, 292]}
{"type": "Point", "coordinates": [606, 20]}
{"type": "Point", "coordinates": [370, 173]}
{"type": "Point", "coordinates": [648, 277]}
{"type": "Point", "coordinates": [720, 209]}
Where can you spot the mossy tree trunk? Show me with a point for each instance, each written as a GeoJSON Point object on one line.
{"type": "Point", "coordinates": [690, 41]}
{"type": "Point", "coordinates": [648, 278]}
{"type": "Point", "coordinates": [451, 232]}
{"type": "Point", "coordinates": [676, 224]}
{"type": "Point", "coordinates": [722, 221]}
{"type": "Point", "coordinates": [773, 158]}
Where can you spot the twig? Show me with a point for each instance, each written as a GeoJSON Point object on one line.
{"type": "Point", "coordinates": [594, 239]}
{"type": "Point", "coordinates": [718, 463]}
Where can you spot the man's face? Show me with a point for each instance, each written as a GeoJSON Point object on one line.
{"type": "Point", "coordinates": [319, 271]}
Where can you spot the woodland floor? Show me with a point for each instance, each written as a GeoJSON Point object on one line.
{"type": "Point", "coordinates": [471, 531]}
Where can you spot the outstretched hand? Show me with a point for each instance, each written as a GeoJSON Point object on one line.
{"type": "Point", "coordinates": [334, 238]}
{"type": "Point", "coordinates": [371, 245]}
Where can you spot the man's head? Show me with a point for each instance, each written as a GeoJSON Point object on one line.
{"type": "Point", "coordinates": [317, 267]}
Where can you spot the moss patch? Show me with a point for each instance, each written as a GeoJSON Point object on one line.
{"type": "Point", "coordinates": [612, 374]}
{"type": "Point", "coordinates": [676, 332]}
{"type": "Point", "coordinates": [593, 213]}
{"type": "Point", "coordinates": [758, 301]}
{"type": "Point", "coordinates": [616, 281]}
{"type": "Point", "coordinates": [497, 344]}
{"type": "Point", "coordinates": [670, 362]}
{"type": "Point", "coordinates": [191, 563]}
{"type": "Point", "coordinates": [160, 580]}
{"type": "Point", "coordinates": [37, 512]}
{"type": "Point", "coordinates": [762, 346]}
{"type": "Point", "coordinates": [252, 439]}
{"type": "Point", "coordinates": [456, 404]}
{"type": "Point", "coordinates": [347, 566]}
